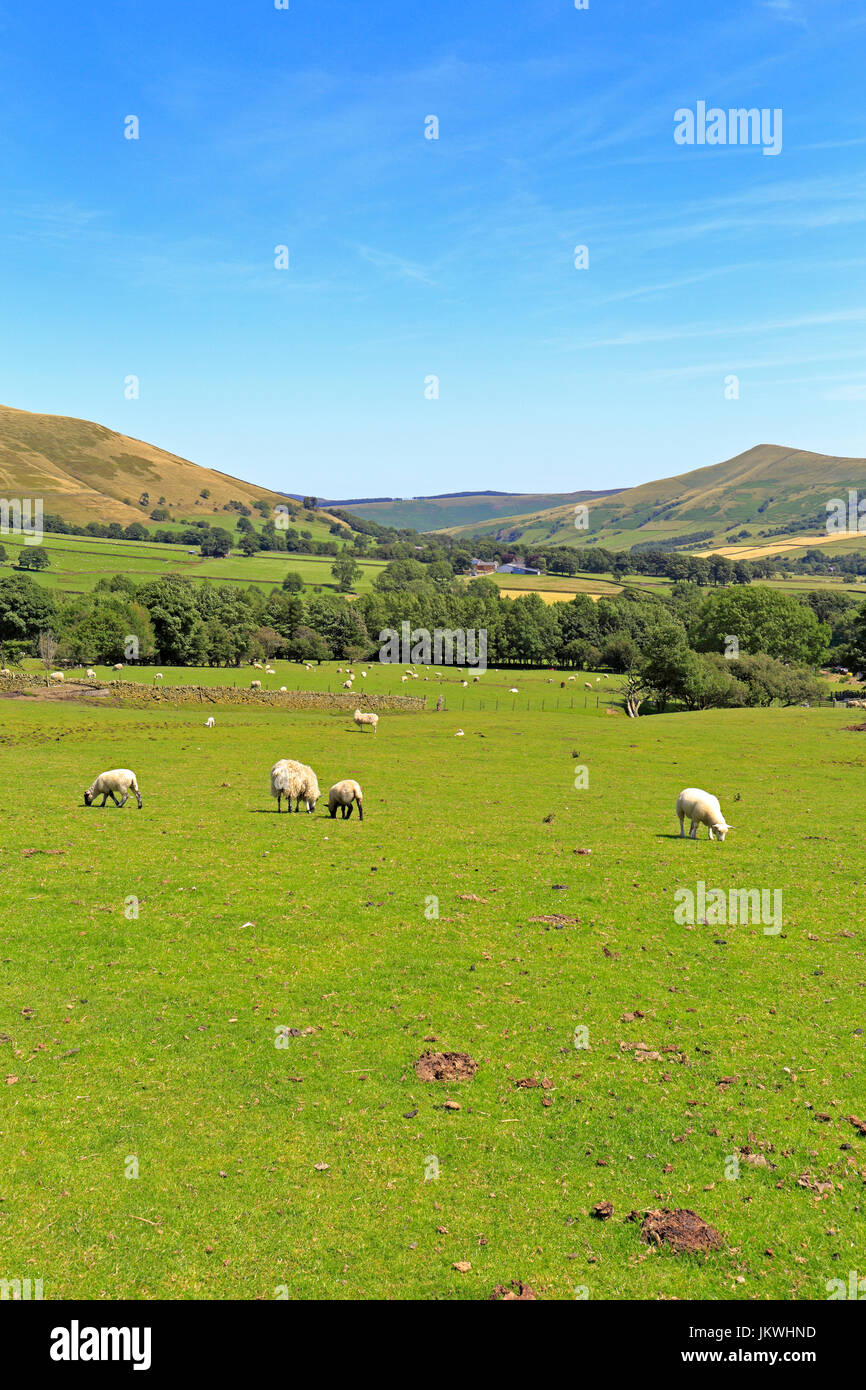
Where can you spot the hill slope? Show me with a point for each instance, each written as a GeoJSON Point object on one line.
{"type": "Point", "coordinates": [458, 509]}
{"type": "Point", "coordinates": [765, 488]}
{"type": "Point", "coordinates": [84, 471]}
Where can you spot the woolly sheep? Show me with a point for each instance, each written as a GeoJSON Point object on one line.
{"type": "Point", "coordinates": [513, 690]}
{"type": "Point", "coordinates": [294, 781]}
{"type": "Point", "coordinates": [255, 685]}
{"type": "Point", "coordinates": [587, 685]}
{"type": "Point", "coordinates": [460, 734]}
{"type": "Point", "coordinates": [57, 675]}
{"type": "Point", "coordinates": [158, 676]}
{"type": "Point", "coordinates": [283, 689]}
{"type": "Point", "coordinates": [119, 782]}
{"type": "Point", "coordinates": [91, 675]}
{"type": "Point", "coordinates": [404, 679]}
{"type": "Point", "coordinates": [209, 722]}
{"type": "Point", "coordinates": [118, 666]}
{"type": "Point", "coordinates": [702, 808]}
{"type": "Point", "coordinates": [347, 685]}
{"type": "Point", "coordinates": [345, 794]}
{"type": "Point", "coordinates": [361, 719]}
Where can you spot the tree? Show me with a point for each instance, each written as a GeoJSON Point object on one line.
{"type": "Point", "coordinates": [47, 648]}
{"type": "Point", "coordinates": [346, 571]}
{"type": "Point", "coordinates": [762, 620]}
{"type": "Point", "coordinates": [250, 543]}
{"type": "Point", "coordinates": [26, 609]}
{"type": "Point", "coordinates": [3, 555]}
{"type": "Point", "coordinates": [310, 504]}
{"type": "Point", "coordinates": [33, 557]}
{"type": "Point", "coordinates": [292, 582]}
{"type": "Point", "coordinates": [217, 543]}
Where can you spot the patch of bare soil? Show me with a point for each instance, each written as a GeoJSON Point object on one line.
{"type": "Point", "coordinates": [57, 692]}
{"type": "Point", "coordinates": [506, 1293]}
{"type": "Point", "coordinates": [684, 1231]}
{"type": "Point", "coordinates": [856, 728]}
{"type": "Point", "coordinates": [445, 1066]}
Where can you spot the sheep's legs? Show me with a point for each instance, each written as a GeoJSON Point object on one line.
{"type": "Point", "coordinates": [682, 829]}
{"type": "Point", "coordinates": [693, 833]}
{"type": "Point", "coordinates": [124, 801]}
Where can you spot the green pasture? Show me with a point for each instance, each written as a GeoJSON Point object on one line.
{"type": "Point", "coordinates": [150, 959]}
{"type": "Point", "coordinates": [78, 563]}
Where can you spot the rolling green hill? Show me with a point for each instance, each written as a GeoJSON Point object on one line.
{"type": "Point", "coordinates": [765, 488]}
{"type": "Point", "coordinates": [457, 511]}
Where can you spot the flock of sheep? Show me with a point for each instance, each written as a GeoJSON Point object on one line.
{"type": "Point", "coordinates": [293, 780]}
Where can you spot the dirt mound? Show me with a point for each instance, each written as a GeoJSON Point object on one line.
{"type": "Point", "coordinates": [445, 1066]}
{"type": "Point", "coordinates": [517, 1290]}
{"type": "Point", "coordinates": [684, 1231]}
{"type": "Point", "coordinates": [856, 728]}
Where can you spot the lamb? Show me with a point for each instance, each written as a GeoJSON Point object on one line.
{"type": "Point", "coordinates": [209, 722]}
{"type": "Point", "coordinates": [118, 782]}
{"type": "Point", "coordinates": [361, 719]}
{"type": "Point", "coordinates": [345, 794]}
{"type": "Point", "coordinates": [702, 808]}
{"type": "Point", "coordinates": [294, 780]}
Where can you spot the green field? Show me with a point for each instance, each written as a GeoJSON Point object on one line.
{"type": "Point", "coordinates": [78, 563]}
{"type": "Point", "coordinates": [150, 1041]}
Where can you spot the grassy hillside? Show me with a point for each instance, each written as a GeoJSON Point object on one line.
{"type": "Point", "coordinates": [215, 1097]}
{"type": "Point", "coordinates": [450, 512]}
{"type": "Point", "coordinates": [766, 487]}
{"type": "Point", "coordinates": [86, 472]}
{"type": "Point", "coordinates": [78, 563]}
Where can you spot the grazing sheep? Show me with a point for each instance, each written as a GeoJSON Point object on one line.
{"type": "Point", "coordinates": [460, 734]}
{"type": "Point", "coordinates": [347, 685]}
{"type": "Point", "coordinates": [283, 689]}
{"type": "Point", "coordinates": [91, 675]}
{"type": "Point", "coordinates": [294, 781]}
{"type": "Point", "coordinates": [119, 782]}
{"type": "Point", "coordinates": [57, 675]}
{"type": "Point", "coordinates": [345, 794]}
{"type": "Point", "coordinates": [702, 808]}
{"type": "Point", "coordinates": [118, 666]}
{"type": "Point", "coordinates": [513, 690]}
{"type": "Point", "coordinates": [158, 676]}
{"type": "Point", "coordinates": [209, 722]}
{"type": "Point", "coordinates": [404, 679]}
{"type": "Point", "coordinates": [364, 674]}
{"type": "Point", "coordinates": [255, 685]}
{"type": "Point", "coordinates": [587, 685]}
{"type": "Point", "coordinates": [361, 719]}
{"type": "Point", "coordinates": [572, 678]}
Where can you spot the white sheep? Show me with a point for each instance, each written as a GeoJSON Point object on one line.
{"type": "Point", "coordinates": [587, 685]}
{"type": "Point", "coordinates": [119, 782]}
{"type": "Point", "coordinates": [361, 719]}
{"type": "Point", "coordinates": [513, 690]}
{"type": "Point", "coordinates": [158, 676]}
{"type": "Point", "coordinates": [460, 734]}
{"type": "Point", "coordinates": [347, 685]}
{"type": "Point", "coordinates": [294, 781]}
{"type": "Point", "coordinates": [118, 666]}
{"type": "Point", "coordinates": [57, 675]}
{"type": "Point", "coordinates": [91, 675]}
{"type": "Point", "coordinates": [283, 689]}
{"type": "Point", "coordinates": [209, 722]}
{"type": "Point", "coordinates": [255, 685]}
{"type": "Point", "coordinates": [404, 679]}
{"type": "Point", "coordinates": [702, 808]}
{"type": "Point", "coordinates": [345, 794]}
{"type": "Point", "coordinates": [364, 674]}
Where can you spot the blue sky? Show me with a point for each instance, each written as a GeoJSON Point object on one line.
{"type": "Point", "coordinates": [452, 257]}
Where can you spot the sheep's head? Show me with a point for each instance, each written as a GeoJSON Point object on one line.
{"type": "Point", "coordinates": [721, 828]}
{"type": "Point", "coordinates": [88, 798]}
